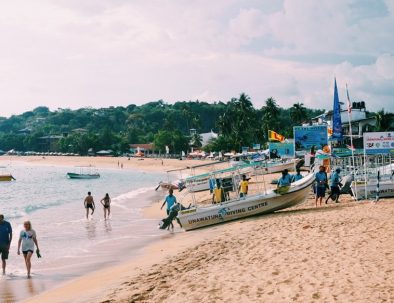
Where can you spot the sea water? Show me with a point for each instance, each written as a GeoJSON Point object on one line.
{"type": "Point", "coordinates": [70, 244]}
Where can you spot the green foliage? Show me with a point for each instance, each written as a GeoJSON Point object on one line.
{"type": "Point", "coordinates": [175, 140]}
{"type": "Point", "coordinates": [237, 121]}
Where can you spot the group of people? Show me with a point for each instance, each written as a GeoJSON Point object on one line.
{"type": "Point", "coordinates": [90, 205]}
{"type": "Point", "coordinates": [27, 241]}
{"type": "Point", "coordinates": [286, 179]}
{"type": "Point", "coordinates": [322, 184]}
{"type": "Point", "coordinates": [220, 195]}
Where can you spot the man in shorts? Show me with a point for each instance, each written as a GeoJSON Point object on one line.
{"type": "Point", "coordinates": [321, 184]}
{"type": "Point", "coordinates": [89, 203]}
{"type": "Point", "coordinates": [5, 240]}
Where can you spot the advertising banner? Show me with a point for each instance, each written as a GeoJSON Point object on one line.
{"type": "Point", "coordinates": [308, 137]}
{"type": "Point", "coordinates": [282, 149]}
{"type": "Point", "coordinates": [256, 146]}
{"type": "Point", "coordinates": [379, 143]}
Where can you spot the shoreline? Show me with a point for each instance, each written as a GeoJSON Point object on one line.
{"type": "Point", "coordinates": [141, 164]}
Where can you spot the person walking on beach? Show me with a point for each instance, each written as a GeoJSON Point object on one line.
{"type": "Point", "coordinates": [243, 187]}
{"type": "Point", "coordinates": [170, 200]}
{"type": "Point", "coordinates": [28, 238]}
{"type": "Point", "coordinates": [5, 240]}
{"type": "Point", "coordinates": [89, 203]}
{"type": "Point", "coordinates": [321, 184]}
{"type": "Point", "coordinates": [334, 184]}
{"type": "Point", "coordinates": [106, 202]}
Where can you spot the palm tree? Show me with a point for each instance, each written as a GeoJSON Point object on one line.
{"type": "Point", "coordinates": [384, 121]}
{"type": "Point", "coordinates": [271, 113]}
{"type": "Point", "coordinates": [298, 113]}
{"type": "Point", "coordinates": [196, 140]}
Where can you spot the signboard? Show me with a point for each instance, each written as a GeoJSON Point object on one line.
{"type": "Point", "coordinates": [282, 149]}
{"type": "Point", "coordinates": [256, 146]}
{"type": "Point", "coordinates": [379, 143]}
{"type": "Point", "coordinates": [245, 150]}
{"type": "Point", "coordinates": [308, 137]}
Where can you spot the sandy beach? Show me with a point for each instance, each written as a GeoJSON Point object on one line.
{"type": "Point", "coordinates": [335, 253]}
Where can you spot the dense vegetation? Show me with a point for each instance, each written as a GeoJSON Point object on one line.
{"type": "Point", "coordinates": [237, 121]}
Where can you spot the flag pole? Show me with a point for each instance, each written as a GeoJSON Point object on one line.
{"type": "Point", "coordinates": [349, 113]}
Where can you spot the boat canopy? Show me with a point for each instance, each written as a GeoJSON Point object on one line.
{"type": "Point", "coordinates": [221, 171]}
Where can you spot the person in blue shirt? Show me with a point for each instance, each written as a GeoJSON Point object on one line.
{"type": "Point", "coordinates": [321, 184]}
{"type": "Point", "coordinates": [285, 180]}
{"type": "Point", "coordinates": [170, 200]}
{"type": "Point", "coordinates": [297, 176]}
{"type": "Point", "coordinates": [335, 182]}
{"type": "Point", "coordinates": [5, 240]}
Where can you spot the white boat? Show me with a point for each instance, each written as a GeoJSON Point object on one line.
{"type": "Point", "coordinates": [262, 203]}
{"type": "Point", "coordinates": [201, 182]}
{"type": "Point", "coordinates": [368, 191]}
{"type": "Point", "coordinates": [84, 172]}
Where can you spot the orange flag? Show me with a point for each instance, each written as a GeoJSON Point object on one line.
{"type": "Point", "coordinates": [275, 136]}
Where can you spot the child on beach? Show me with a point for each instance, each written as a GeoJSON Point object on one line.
{"type": "Point", "coordinates": [28, 239]}
{"type": "Point", "coordinates": [321, 184]}
{"type": "Point", "coordinates": [106, 202]}
{"type": "Point", "coordinates": [243, 187]}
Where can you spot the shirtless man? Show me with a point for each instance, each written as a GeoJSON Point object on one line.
{"type": "Point", "coordinates": [89, 203]}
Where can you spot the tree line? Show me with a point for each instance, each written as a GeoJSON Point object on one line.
{"type": "Point", "coordinates": [237, 121]}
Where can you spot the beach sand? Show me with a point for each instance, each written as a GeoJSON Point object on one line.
{"type": "Point", "coordinates": [335, 253]}
{"type": "Point", "coordinates": [338, 253]}
{"type": "Point", "coordinates": [144, 164]}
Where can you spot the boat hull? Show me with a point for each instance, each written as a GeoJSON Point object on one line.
{"type": "Point", "coordinates": [6, 178]}
{"type": "Point", "coordinates": [82, 176]}
{"type": "Point", "coordinates": [250, 206]}
{"type": "Point", "coordinates": [386, 190]}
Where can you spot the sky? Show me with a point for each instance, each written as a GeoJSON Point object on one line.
{"type": "Point", "coordinates": [99, 53]}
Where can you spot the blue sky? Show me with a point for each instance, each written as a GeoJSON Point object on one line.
{"type": "Point", "coordinates": [71, 53]}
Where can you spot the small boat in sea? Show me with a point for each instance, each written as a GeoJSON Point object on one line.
{"type": "Point", "coordinates": [84, 172]}
{"type": "Point", "coordinates": [5, 176]}
{"type": "Point", "coordinates": [261, 201]}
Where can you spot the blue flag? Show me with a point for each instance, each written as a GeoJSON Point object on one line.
{"type": "Point", "coordinates": [336, 116]}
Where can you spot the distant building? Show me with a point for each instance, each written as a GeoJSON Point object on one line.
{"type": "Point", "coordinates": [49, 143]}
{"type": "Point", "coordinates": [361, 122]}
{"type": "Point", "coordinates": [145, 148]}
{"type": "Point", "coordinates": [205, 137]}
{"type": "Point", "coordinates": [25, 131]}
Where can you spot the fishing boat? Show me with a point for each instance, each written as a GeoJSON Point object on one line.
{"type": "Point", "coordinates": [262, 202]}
{"type": "Point", "coordinates": [4, 175]}
{"type": "Point", "coordinates": [84, 172]}
{"type": "Point", "coordinates": [170, 184]}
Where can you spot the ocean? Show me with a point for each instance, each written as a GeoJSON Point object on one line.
{"type": "Point", "coordinates": [70, 244]}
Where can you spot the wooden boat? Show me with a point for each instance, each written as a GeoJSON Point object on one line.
{"type": "Point", "coordinates": [5, 176]}
{"type": "Point", "coordinates": [84, 172]}
{"type": "Point", "coordinates": [261, 203]}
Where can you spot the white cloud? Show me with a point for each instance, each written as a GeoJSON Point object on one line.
{"type": "Point", "coordinates": [99, 53]}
